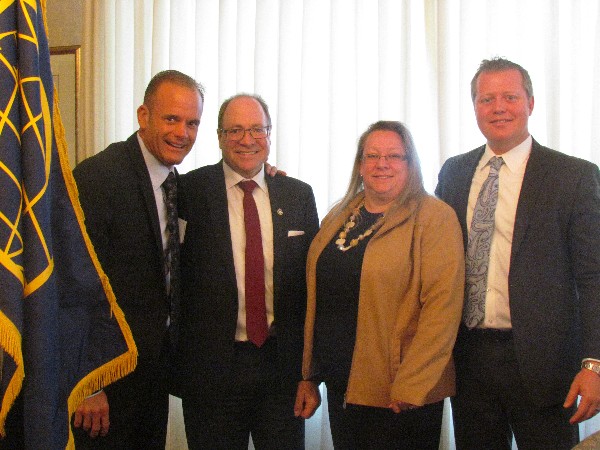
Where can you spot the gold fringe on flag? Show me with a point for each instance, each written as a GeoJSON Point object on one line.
{"type": "Point", "coordinates": [125, 363]}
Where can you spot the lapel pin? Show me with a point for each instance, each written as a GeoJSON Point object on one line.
{"type": "Point", "coordinates": [279, 212]}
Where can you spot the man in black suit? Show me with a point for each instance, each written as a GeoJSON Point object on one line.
{"type": "Point", "coordinates": [122, 195]}
{"type": "Point", "coordinates": [536, 344]}
{"type": "Point", "coordinates": [234, 384]}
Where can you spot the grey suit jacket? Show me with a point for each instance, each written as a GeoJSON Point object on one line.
{"type": "Point", "coordinates": [209, 290]}
{"type": "Point", "coordinates": [554, 278]}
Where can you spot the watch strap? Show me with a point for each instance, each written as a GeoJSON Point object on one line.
{"type": "Point", "coordinates": [591, 365]}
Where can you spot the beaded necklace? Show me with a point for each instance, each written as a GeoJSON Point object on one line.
{"type": "Point", "coordinates": [341, 241]}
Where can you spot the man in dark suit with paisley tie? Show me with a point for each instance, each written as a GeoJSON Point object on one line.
{"type": "Point", "coordinates": [531, 344]}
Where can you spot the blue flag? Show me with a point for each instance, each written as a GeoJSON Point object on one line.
{"type": "Point", "coordinates": [62, 334]}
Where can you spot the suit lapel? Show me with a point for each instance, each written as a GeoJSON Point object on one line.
{"type": "Point", "coordinates": [533, 184]}
{"type": "Point", "coordinates": [277, 199]}
{"type": "Point", "coordinates": [143, 179]}
{"type": "Point", "coordinates": [464, 176]}
{"type": "Point", "coordinates": [216, 198]}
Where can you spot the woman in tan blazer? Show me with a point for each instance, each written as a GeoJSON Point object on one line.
{"type": "Point", "coordinates": [385, 278]}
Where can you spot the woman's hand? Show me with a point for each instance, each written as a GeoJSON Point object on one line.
{"type": "Point", "coordinates": [400, 406]}
{"type": "Point", "coordinates": [308, 399]}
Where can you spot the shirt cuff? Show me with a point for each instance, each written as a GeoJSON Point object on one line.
{"type": "Point", "coordinates": [94, 394]}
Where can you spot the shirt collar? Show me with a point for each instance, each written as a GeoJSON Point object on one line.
{"type": "Point", "coordinates": [157, 170]}
{"type": "Point", "coordinates": [232, 177]}
{"type": "Point", "coordinates": [514, 159]}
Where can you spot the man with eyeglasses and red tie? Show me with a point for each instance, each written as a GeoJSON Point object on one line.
{"type": "Point", "coordinates": [243, 290]}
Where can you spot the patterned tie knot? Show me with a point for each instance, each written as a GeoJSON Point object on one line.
{"type": "Point", "coordinates": [496, 162]}
{"type": "Point", "coordinates": [170, 183]}
{"type": "Point", "coordinates": [170, 187]}
{"type": "Point", "coordinates": [248, 185]}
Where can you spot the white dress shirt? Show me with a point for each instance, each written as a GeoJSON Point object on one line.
{"type": "Point", "coordinates": [497, 306]}
{"type": "Point", "coordinates": [235, 197]}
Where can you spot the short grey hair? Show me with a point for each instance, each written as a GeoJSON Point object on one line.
{"type": "Point", "coordinates": [226, 103]}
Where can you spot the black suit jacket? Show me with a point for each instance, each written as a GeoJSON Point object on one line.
{"type": "Point", "coordinates": [554, 278]}
{"type": "Point", "coordinates": [122, 220]}
{"type": "Point", "coordinates": [209, 290]}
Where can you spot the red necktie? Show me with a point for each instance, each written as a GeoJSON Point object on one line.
{"type": "Point", "coordinates": [256, 313]}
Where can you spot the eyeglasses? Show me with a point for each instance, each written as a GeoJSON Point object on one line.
{"type": "Point", "coordinates": [393, 158]}
{"type": "Point", "coordinates": [237, 134]}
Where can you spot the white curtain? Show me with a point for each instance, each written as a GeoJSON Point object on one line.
{"type": "Point", "coordinates": [329, 68]}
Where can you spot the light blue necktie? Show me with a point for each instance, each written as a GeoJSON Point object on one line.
{"type": "Point", "coordinates": [478, 247]}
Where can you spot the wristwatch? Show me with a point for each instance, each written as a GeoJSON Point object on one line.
{"type": "Point", "coordinates": [591, 365]}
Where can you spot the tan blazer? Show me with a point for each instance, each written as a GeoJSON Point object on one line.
{"type": "Point", "coordinates": [410, 305]}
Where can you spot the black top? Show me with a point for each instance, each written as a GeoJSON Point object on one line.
{"type": "Point", "coordinates": [338, 287]}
